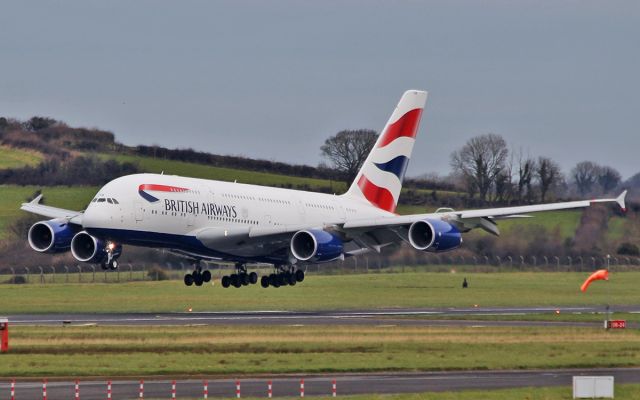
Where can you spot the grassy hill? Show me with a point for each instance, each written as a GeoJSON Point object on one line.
{"type": "Point", "coordinates": [73, 198]}
{"type": "Point", "coordinates": [15, 158]}
{"type": "Point", "coordinates": [76, 198]}
{"type": "Point", "coordinates": [171, 167]}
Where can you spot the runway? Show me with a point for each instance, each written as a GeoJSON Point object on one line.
{"type": "Point", "coordinates": [316, 385]}
{"type": "Point", "coordinates": [412, 317]}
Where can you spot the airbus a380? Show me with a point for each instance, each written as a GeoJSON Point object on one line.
{"type": "Point", "coordinates": [250, 224]}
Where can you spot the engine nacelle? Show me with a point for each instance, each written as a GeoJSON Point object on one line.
{"type": "Point", "coordinates": [434, 235]}
{"type": "Point", "coordinates": [89, 249]}
{"type": "Point", "coordinates": [53, 236]}
{"type": "Point", "coordinates": [316, 245]}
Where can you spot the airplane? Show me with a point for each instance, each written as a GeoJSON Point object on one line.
{"type": "Point", "coordinates": [205, 220]}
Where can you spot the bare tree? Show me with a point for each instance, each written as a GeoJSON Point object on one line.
{"type": "Point", "coordinates": [584, 175]}
{"type": "Point", "coordinates": [348, 150]}
{"type": "Point", "coordinates": [548, 175]}
{"type": "Point", "coordinates": [480, 161]}
{"type": "Point", "coordinates": [526, 167]}
{"type": "Point", "coordinates": [608, 179]}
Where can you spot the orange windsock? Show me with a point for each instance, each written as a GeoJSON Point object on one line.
{"type": "Point", "coordinates": [601, 274]}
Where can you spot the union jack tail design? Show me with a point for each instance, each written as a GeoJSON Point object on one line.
{"type": "Point", "coordinates": [380, 178]}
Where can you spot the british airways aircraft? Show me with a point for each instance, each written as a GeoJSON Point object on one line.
{"type": "Point", "coordinates": [249, 224]}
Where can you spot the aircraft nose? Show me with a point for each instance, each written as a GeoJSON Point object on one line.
{"type": "Point", "coordinates": [91, 217]}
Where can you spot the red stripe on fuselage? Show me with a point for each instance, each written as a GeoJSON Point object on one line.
{"type": "Point", "coordinates": [379, 197]}
{"type": "Point", "coordinates": [161, 188]}
{"type": "Point", "coordinates": [407, 126]}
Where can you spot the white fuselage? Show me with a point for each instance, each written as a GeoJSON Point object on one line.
{"type": "Point", "coordinates": [182, 207]}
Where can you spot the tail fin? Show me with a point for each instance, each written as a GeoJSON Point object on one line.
{"type": "Point", "coordinates": [380, 178]}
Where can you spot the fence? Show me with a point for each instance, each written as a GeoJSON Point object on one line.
{"type": "Point", "coordinates": [85, 273]}
{"type": "Point", "coordinates": [172, 389]}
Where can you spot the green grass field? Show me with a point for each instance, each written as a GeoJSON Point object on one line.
{"type": "Point", "coordinates": [232, 350]}
{"type": "Point", "coordinates": [16, 158]}
{"type": "Point", "coordinates": [328, 292]}
{"type": "Point", "coordinates": [12, 196]}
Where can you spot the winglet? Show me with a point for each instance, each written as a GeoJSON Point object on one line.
{"type": "Point", "coordinates": [620, 201]}
{"type": "Point", "coordinates": [36, 200]}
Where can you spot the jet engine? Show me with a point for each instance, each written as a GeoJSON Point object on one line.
{"type": "Point", "coordinates": [89, 249]}
{"type": "Point", "coordinates": [316, 245]}
{"type": "Point", "coordinates": [53, 236]}
{"type": "Point", "coordinates": [434, 235]}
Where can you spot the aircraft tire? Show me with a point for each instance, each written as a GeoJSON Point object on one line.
{"type": "Point", "coordinates": [226, 282]}
{"type": "Point", "coordinates": [264, 282]}
{"type": "Point", "coordinates": [299, 275]}
{"type": "Point", "coordinates": [291, 279]}
{"type": "Point", "coordinates": [273, 281]}
{"type": "Point", "coordinates": [197, 279]}
{"type": "Point", "coordinates": [236, 281]}
{"type": "Point", "coordinates": [188, 279]}
{"type": "Point", "coordinates": [206, 276]}
{"type": "Point", "coordinates": [244, 279]}
{"type": "Point", "coordinates": [253, 278]}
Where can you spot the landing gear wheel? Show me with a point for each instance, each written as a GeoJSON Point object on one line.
{"type": "Point", "coordinates": [235, 281]}
{"type": "Point", "coordinates": [206, 276]}
{"type": "Point", "coordinates": [264, 282]}
{"type": "Point", "coordinates": [104, 266]}
{"type": "Point", "coordinates": [113, 265]}
{"type": "Point", "coordinates": [188, 279]}
{"type": "Point", "coordinates": [197, 278]}
{"type": "Point", "coordinates": [273, 280]}
{"type": "Point", "coordinates": [253, 278]}
{"type": "Point", "coordinates": [226, 282]}
{"type": "Point", "coordinates": [244, 279]}
{"type": "Point", "coordinates": [300, 275]}
{"type": "Point", "coordinates": [291, 279]}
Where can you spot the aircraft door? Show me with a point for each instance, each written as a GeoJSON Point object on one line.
{"type": "Point", "coordinates": [267, 221]}
{"type": "Point", "coordinates": [139, 211]}
{"type": "Point", "coordinates": [341, 213]}
{"type": "Point", "coordinates": [301, 209]}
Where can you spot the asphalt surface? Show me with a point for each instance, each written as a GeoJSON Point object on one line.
{"type": "Point", "coordinates": [316, 385]}
{"type": "Point", "coordinates": [414, 317]}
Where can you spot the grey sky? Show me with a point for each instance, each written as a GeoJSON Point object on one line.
{"type": "Point", "coordinates": [274, 79]}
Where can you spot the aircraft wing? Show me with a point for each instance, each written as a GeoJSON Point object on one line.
{"type": "Point", "coordinates": [469, 219]}
{"type": "Point", "coordinates": [34, 207]}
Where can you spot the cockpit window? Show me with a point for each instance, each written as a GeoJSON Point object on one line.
{"type": "Point", "coordinates": [109, 201]}
{"type": "Point", "coordinates": [115, 201]}
{"type": "Point", "coordinates": [101, 200]}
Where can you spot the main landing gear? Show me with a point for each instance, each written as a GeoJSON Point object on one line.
{"type": "Point", "coordinates": [282, 277]}
{"type": "Point", "coordinates": [198, 276]}
{"type": "Point", "coordinates": [240, 278]}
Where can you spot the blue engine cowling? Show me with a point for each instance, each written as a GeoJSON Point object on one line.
{"type": "Point", "coordinates": [89, 249]}
{"type": "Point", "coordinates": [316, 245]}
{"type": "Point", "coordinates": [434, 235]}
{"type": "Point", "coordinates": [53, 236]}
